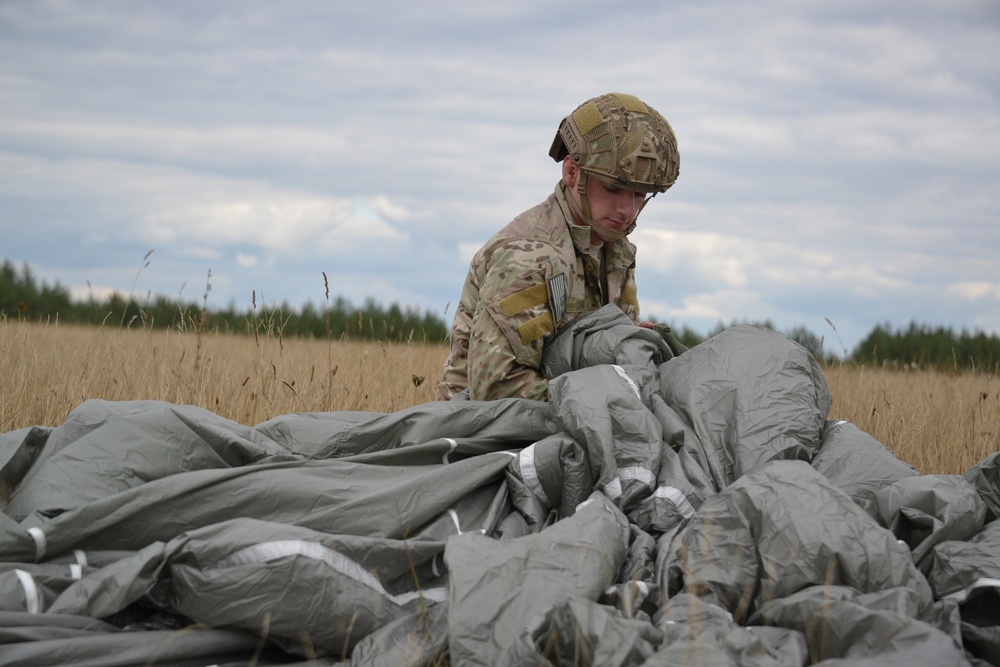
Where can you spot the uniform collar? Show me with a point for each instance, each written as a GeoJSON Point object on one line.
{"type": "Point", "coordinates": [580, 234]}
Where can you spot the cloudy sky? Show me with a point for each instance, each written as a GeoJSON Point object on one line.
{"type": "Point", "coordinates": [840, 159]}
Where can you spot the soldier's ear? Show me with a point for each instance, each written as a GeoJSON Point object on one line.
{"type": "Point", "coordinates": [570, 172]}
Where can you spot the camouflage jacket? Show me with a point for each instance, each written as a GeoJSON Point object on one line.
{"type": "Point", "coordinates": [535, 275]}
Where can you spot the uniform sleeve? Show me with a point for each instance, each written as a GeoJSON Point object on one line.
{"type": "Point", "coordinates": [511, 323]}
{"type": "Point", "coordinates": [455, 373]}
{"type": "Point", "coordinates": [629, 302]}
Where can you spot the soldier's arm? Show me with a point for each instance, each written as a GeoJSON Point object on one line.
{"type": "Point", "coordinates": [454, 375]}
{"type": "Point", "coordinates": [494, 369]}
{"type": "Point", "coordinates": [628, 300]}
{"type": "Point", "coordinates": [511, 323]}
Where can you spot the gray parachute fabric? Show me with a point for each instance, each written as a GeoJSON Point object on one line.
{"type": "Point", "coordinates": [857, 463]}
{"type": "Point", "coordinates": [658, 510]}
{"type": "Point", "coordinates": [779, 530]}
{"type": "Point", "coordinates": [499, 592]}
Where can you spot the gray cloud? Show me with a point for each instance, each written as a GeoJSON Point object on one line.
{"type": "Point", "coordinates": [838, 159]}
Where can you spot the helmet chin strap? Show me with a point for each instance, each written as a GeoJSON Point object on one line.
{"type": "Point", "coordinates": [582, 211]}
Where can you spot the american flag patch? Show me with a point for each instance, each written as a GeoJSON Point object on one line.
{"type": "Point", "coordinates": [557, 298]}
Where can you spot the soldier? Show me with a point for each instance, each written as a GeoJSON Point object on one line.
{"type": "Point", "coordinates": [566, 256]}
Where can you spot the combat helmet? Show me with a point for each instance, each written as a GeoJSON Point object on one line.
{"type": "Point", "coordinates": [620, 141]}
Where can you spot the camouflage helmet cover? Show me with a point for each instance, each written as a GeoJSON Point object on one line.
{"type": "Point", "coordinates": [621, 141]}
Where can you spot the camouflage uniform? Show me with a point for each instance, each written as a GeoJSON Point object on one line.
{"type": "Point", "coordinates": [535, 275]}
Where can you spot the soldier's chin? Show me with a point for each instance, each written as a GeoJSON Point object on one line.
{"type": "Point", "coordinates": [609, 234]}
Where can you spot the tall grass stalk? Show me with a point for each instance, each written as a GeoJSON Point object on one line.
{"type": "Point", "coordinates": [51, 368]}
{"type": "Point", "coordinates": [938, 422]}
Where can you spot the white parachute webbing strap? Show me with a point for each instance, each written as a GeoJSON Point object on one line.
{"type": "Point", "coordinates": [526, 460]}
{"type": "Point", "coordinates": [613, 489]}
{"type": "Point", "coordinates": [32, 596]}
{"type": "Point", "coordinates": [638, 473]}
{"type": "Point", "coordinates": [458, 525]}
{"type": "Point", "coordinates": [643, 592]}
{"type": "Point", "coordinates": [633, 593]}
{"type": "Point", "coordinates": [965, 593]}
{"type": "Point", "coordinates": [38, 535]}
{"type": "Point", "coordinates": [76, 569]}
{"type": "Point", "coordinates": [631, 382]}
{"type": "Point", "coordinates": [454, 519]}
{"type": "Point", "coordinates": [675, 496]}
{"type": "Point", "coordinates": [434, 564]}
{"type": "Point", "coordinates": [834, 425]}
{"type": "Point", "coordinates": [268, 551]}
{"type": "Point", "coordinates": [453, 445]}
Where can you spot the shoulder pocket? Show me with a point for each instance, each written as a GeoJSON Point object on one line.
{"type": "Point", "coordinates": [522, 312]}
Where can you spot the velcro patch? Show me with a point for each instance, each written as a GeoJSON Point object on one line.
{"type": "Point", "coordinates": [536, 295]}
{"type": "Point", "coordinates": [629, 294]}
{"type": "Point", "coordinates": [632, 103]}
{"type": "Point", "coordinates": [536, 327]}
{"type": "Point", "coordinates": [588, 117]}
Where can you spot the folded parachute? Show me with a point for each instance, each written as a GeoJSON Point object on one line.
{"type": "Point", "coordinates": [657, 510]}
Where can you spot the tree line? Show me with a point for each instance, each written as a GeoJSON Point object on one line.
{"type": "Point", "coordinates": [23, 296]}
{"type": "Point", "coordinates": [920, 345]}
{"type": "Point", "coordinates": [911, 347]}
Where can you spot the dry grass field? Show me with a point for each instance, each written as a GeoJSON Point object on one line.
{"type": "Point", "coordinates": [937, 422]}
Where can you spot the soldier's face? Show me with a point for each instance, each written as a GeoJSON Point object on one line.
{"type": "Point", "coordinates": [612, 208]}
